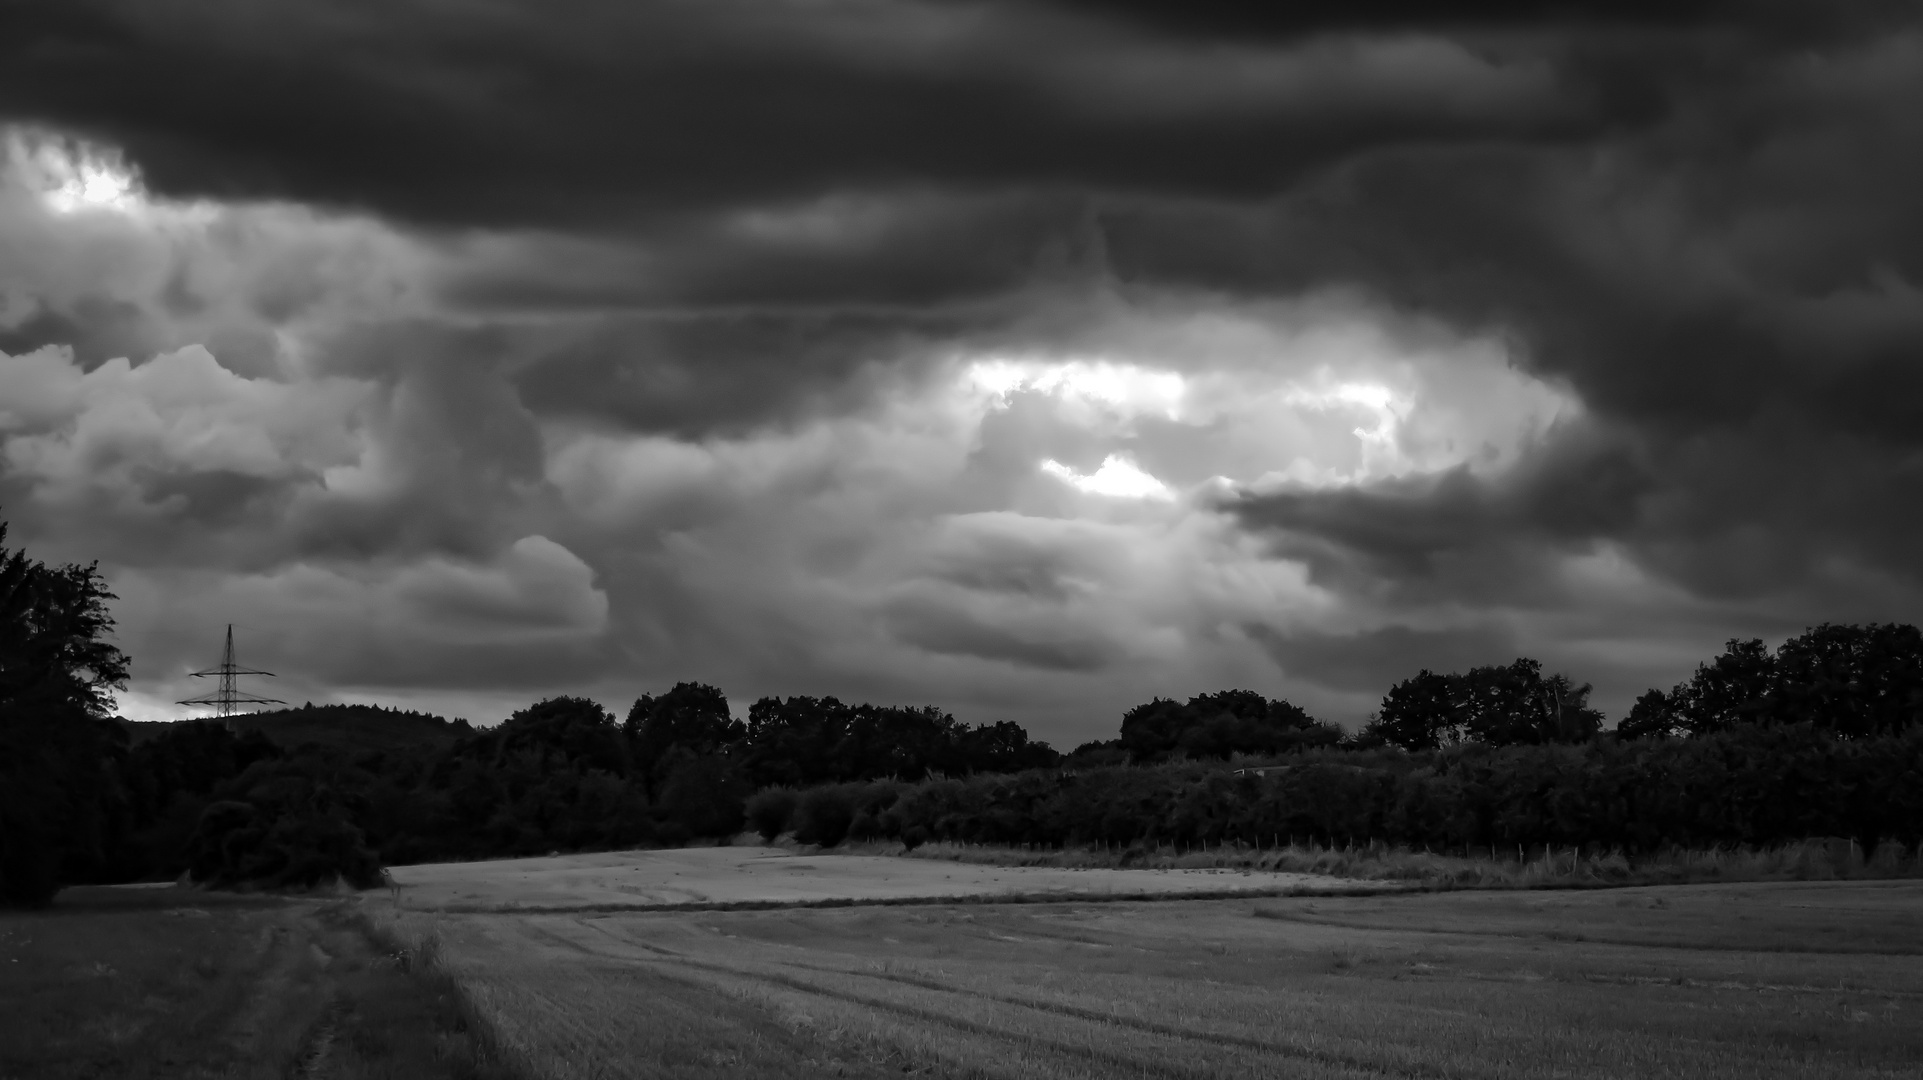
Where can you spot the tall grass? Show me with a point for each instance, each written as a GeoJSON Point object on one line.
{"type": "Point", "coordinates": [1808, 860]}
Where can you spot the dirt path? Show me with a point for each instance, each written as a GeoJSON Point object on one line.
{"type": "Point", "coordinates": [695, 878]}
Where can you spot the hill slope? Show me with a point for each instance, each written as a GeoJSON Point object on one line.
{"type": "Point", "coordinates": [339, 727]}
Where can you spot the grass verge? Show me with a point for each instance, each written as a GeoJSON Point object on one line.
{"type": "Point", "coordinates": [172, 982]}
{"type": "Point", "coordinates": [1812, 860]}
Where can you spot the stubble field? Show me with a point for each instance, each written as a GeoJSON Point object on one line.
{"type": "Point", "coordinates": [1806, 979]}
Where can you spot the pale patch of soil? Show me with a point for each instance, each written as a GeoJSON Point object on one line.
{"type": "Point", "coordinates": [766, 876]}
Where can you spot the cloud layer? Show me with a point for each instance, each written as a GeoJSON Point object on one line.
{"type": "Point", "coordinates": [1031, 359]}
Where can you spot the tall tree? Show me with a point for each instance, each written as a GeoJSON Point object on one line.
{"type": "Point", "coordinates": [1734, 688]}
{"type": "Point", "coordinates": [1418, 713]}
{"type": "Point", "coordinates": [1517, 704]}
{"type": "Point", "coordinates": [1652, 717]}
{"type": "Point", "coordinates": [1219, 725]}
{"type": "Point", "coordinates": [1855, 681]}
{"type": "Point", "coordinates": [59, 744]}
{"type": "Point", "coordinates": [1497, 705]}
{"type": "Point", "coordinates": [692, 717]}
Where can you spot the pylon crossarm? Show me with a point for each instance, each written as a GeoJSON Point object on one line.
{"type": "Point", "coordinates": [227, 700]}
{"type": "Point", "coordinates": [234, 698]}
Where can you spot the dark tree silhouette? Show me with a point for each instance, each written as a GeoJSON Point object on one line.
{"type": "Point", "coordinates": [1219, 725]}
{"type": "Point", "coordinates": [60, 802]}
{"type": "Point", "coordinates": [691, 716]}
{"type": "Point", "coordinates": [1855, 681]}
{"type": "Point", "coordinates": [803, 741]}
{"type": "Point", "coordinates": [1732, 689]}
{"type": "Point", "coordinates": [1418, 713]}
{"type": "Point", "coordinates": [1509, 705]}
{"type": "Point", "coordinates": [1516, 705]}
{"type": "Point", "coordinates": [1651, 717]}
{"type": "Point", "coordinates": [567, 731]}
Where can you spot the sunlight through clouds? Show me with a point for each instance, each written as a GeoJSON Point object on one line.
{"type": "Point", "coordinates": [1118, 477]}
{"type": "Point", "coordinates": [1172, 393]}
{"type": "Point", "coordinates": [1130, 389]}
{"type": "Point", "coordinates": [72, 176]}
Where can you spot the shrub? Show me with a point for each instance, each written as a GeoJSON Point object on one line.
{"type": "Point", "coordinates": [823, 816]}
{"type": "Point", "coordinates": [770, 810]}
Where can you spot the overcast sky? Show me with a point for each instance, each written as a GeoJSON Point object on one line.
{"type": "Point", "coordinates": [1027, 359]}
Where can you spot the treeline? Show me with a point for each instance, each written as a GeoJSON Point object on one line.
{"type": "Point", "coordinates": [1751, 784]}
{"type": "Point", "coordinates": [303, 796]}
{"type": "Point", "coordinates": [1819, 736]}
{"type": "Point", "coordinates": [560, 775]}
{"type": "Point", "coordinates": [1855, 681]}
{"type": "Point", "coordinates": [1852, 681]}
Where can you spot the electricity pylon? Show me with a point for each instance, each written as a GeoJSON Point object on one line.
{"type": "Point", "coordinates": [229, 698]}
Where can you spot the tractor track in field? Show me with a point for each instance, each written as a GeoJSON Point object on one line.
{"type": "Point", "coordinates": [659, 955]}
{"type": "Point", "coordinates": [1567, 938]}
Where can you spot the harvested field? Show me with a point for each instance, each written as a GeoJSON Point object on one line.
{"type": "Point", "coordinates": [724, 877]}
{"type": "Point", "coordinates": [1800, 980]}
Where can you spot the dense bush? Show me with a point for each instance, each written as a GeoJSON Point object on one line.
{"type": "Point", "coordinates": [823, 815]}
{"type": "Point", "coordinates": [769, 811]}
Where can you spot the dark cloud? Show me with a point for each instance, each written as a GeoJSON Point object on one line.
{"type": "Point", "coordinates": [1370, 661]}
{"type": "Point", "coordinates": [722, 373]}
{"type": "Point", "coordinates": [661, 313]}
{"type": "Point", "coordinates": [96, 329]}
{"type": "Point", "coordinates": [598, 115]}
{"type": "Point", "coordinates": [1579, 488]}
{"type": "Point", "coordinates": [1783, 22]}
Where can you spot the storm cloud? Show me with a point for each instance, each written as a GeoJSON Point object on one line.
{"type": "Point", "coordinates": [1031, 359]}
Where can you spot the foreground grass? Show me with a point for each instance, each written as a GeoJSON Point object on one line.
{"type": "Point", "coordinates": [1799, 980]}
{"type": "Point", "coordinates": [179, 983]}
{"type": "Point", "coordinates": [1814, 860]}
